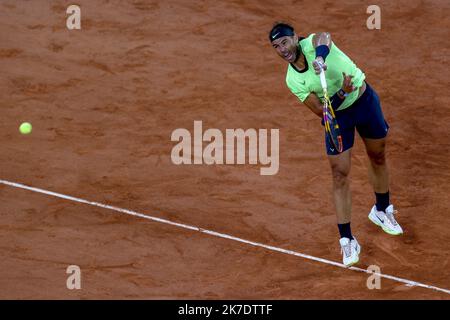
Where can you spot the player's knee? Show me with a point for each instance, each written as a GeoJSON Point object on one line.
{"type": "Point", "coordinates": [340, 176]}
{"type": "Point", "coordinates": [377, 158]}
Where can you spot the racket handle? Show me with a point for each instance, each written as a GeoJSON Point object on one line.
{"type": "Point", "coordinates": [323, 80]}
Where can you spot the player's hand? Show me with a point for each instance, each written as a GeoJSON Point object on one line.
{"type": "Point", "coordinates": [347, 84]}
{"type": "Point", "coordinates": [319, 64]}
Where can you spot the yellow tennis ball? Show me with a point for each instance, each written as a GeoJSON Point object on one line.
{"type": "Point", "coordinates": [25, 128]}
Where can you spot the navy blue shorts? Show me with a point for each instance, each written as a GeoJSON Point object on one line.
{"type": "Point", "coordinates": [365, 115]}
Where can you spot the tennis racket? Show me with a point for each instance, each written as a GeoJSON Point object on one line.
{"type": "Point", "coordinates": [331, 125]}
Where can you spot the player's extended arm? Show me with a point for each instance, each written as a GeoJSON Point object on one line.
{"type": "Point", "coordinates": [314, 104]}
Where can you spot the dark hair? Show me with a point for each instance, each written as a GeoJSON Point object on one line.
{"type": "Point", "coordinates": [281, 28]}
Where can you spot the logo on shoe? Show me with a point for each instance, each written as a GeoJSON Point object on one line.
{"type": "Point", "coordinates": [382, 221]}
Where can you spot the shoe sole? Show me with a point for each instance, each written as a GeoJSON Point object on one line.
{"type": "Point", "coordinates": [352, 263]}
{"type": "Point", "coordinates": [388, 231]}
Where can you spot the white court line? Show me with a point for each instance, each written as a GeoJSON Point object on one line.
{"type": "Point", "coordinates": [218, 234]}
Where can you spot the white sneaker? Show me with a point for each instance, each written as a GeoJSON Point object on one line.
{"type": "Point", "coordinates": [386, 220]}
{"type": "Point", "coordinates": [350, 250]}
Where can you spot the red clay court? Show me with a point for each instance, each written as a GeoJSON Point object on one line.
{"type": "Point", "coordinates": [105, 99]}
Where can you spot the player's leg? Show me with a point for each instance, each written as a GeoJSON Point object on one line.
{"type": "Point", "coordinates": [340, 169]}
{"type": "Point", "coordinates": [382, 213]}
{"type": "Point", "coordinates": [378, 170]}
{"type": "Point", "coordinates": [373, 129]}
{"type": "Point", "coordinates": [340, 164]}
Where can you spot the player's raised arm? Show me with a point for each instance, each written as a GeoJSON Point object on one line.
{"type": "Point", "coordinates": [322, 38]}
{"type": "Point", "coordinates": [322, 44]}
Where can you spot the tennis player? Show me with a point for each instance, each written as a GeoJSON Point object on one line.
{"type": "Point", "coordinates": [357, 106]}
